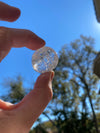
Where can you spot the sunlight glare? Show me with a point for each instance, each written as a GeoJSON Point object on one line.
{"type": "Point", "coordinates": [96, 26]}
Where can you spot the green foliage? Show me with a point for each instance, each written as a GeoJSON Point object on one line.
{"type": "Point", "coordinates": [74, 73]}
{"type": "Point", "coordinates": [76, 125]}
{"type": "Point", "coordinates": [38, 129]}
{"type": "Point", "coordinates": [75, 84]}
{"type": "Point", "coordinates": [16, 91]}
{"type": "Point", "coordinates": [73, 124]}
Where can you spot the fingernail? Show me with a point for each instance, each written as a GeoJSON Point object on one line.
{"type": "Point", "coordinates": [48, 75]}
{"type": "Point", "coordinates": [41, 41]}
{"type": "Point", "coordinates": [52, 75]}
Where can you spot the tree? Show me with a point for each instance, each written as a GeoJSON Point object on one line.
{"type": "Point", "coordinates": [74, 81]}
{"type": "Point", "coordinates": [16, 90]}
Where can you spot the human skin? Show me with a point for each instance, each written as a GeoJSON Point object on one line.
{"type": "Point", "coordinates": [20, 117]}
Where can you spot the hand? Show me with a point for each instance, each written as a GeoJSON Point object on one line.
{"type": "Point", "coordinates": [20, 117]}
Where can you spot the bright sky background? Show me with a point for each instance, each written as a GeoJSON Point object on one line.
{"type": "Point", "coordinates": [56, 21]}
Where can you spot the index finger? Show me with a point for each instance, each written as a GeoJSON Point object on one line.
{"type": "Point", "coordinates": [10, 37]}
{"type": "Point", "coordinates": [8, 13]}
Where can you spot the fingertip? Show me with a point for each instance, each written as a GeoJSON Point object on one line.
{"type": "Point", "coordinates": [8, 13]}
{"type": "Point", "coordinates": [14, 15]}
{"type": "Point", "coordinates": [26, 38]}
{"type": "Point", "coordinates": [35, 42]}
{"type": "Point", "coordinates": [42, 43]}
{"type": "Point", "coordinates": [39, 44]}
{"type": "Point", "coordinates": [44, 80]}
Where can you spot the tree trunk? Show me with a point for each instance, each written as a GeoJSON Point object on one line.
{"type": "Point", "coordinates": [53, 123]}
{"type": "Point", "coordinates": [90, 100]}
{"type": "Point", "coordinates": [94, 116]}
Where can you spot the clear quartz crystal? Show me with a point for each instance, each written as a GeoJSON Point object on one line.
{"type": "Point", "coordinates": [44, 59]}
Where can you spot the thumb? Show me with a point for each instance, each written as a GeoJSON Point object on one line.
{"type": "Point", "coordinates": [34, 103]}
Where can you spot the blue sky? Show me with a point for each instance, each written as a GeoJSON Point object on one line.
{"type": "Point", "coordinates": [58, 22]}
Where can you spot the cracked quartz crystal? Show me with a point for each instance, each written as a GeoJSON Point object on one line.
{"type": "Point", "coordinates": [44, 59]}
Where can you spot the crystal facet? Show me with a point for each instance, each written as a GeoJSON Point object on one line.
{"type": "Point", "coordinates": [44, 59]}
